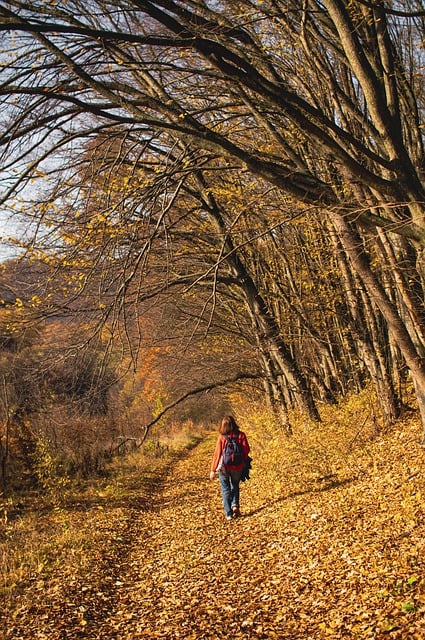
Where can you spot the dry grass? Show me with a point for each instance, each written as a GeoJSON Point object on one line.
{"type": "Point", "coordinates": [338, 507]}
{"type": "Point", "coordinates": [62, 526]}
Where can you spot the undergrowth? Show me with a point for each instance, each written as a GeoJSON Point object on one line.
{"type": "Point", "coordinates": [60, 523]}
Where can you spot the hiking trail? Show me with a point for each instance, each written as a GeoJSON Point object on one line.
{"type": "Point", "coordinates": [289, 568]}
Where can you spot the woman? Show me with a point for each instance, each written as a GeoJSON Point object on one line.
{"type": "Point", "coordinates": [230, 455]}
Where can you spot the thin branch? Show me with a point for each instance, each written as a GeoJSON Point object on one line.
{"type": "Point", "coordinates": [193, 392]}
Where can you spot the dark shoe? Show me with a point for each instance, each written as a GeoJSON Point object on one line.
{"type": "Point", "coordinates": [236, 511]}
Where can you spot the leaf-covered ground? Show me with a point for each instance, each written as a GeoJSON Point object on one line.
{"type": "Point", "coordinates": [331, 551]}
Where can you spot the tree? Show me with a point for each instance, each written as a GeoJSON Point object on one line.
{"type": "Point", "coordinates": [323, 102]}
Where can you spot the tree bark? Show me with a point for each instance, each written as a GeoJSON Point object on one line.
{"type": "Point", "coordinates": [354, 248]}
{"type": "Point", "coordinates": [267, 329]}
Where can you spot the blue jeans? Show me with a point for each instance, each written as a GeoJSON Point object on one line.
{"type": "Point", "coordinates": [229, 482]}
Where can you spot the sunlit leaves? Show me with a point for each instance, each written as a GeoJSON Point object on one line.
{"type": "Point", "coordinates": [319, 558]}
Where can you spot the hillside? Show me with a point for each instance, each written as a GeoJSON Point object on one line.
{"type": "Point", "coordinates": [330, 546]}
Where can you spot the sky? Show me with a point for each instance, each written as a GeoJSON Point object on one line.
{"type": "Point", "coordinates": [8, 227]}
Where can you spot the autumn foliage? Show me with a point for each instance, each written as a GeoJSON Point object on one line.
{"type": "Point", "coordinates": [330, 543]}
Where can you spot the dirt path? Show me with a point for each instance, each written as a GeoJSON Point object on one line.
{"type": "Point", "coordinates": [293, 567]}
{"type": "Point", "coordinates": [178, 569]}
{"type": "Point", "coordinates": [193, 574]}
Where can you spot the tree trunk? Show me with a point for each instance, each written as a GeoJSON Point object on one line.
{"type": "Point", "coordinates": [353, 246]}
{"type": "Point", "coordinates": [412, 316]}
{"type": "Point", "coordinates": [266, 328]}
{"type": "Point", "coordinates": [273, 388]}
{"type": "Point", "coordinates": [368, 341]}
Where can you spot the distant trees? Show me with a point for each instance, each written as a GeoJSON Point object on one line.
{"type": "Point", "coordinates": [55, 396]}
{"type": "Point", "coordinates": [259, 164]}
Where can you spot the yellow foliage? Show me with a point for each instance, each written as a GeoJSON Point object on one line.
{"type": "Point", "coordinates": [330, 557]}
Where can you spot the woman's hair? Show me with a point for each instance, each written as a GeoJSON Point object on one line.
{"type": "Point", "coordinates": [228, 425]}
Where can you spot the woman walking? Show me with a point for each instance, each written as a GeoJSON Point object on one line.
{"type": "Point", "coordinates": [229, 459]}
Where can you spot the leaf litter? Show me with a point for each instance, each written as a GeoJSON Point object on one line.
{"type": "Point", "coordinates": [339, 556]}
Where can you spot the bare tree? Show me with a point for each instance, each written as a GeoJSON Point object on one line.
{"type": "Point", "coordinates": [323, 101]}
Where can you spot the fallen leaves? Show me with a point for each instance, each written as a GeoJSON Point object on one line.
{"type": "Point", "coordinates": [334, 560]}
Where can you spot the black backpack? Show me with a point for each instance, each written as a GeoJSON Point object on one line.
{"type": "Point", "coordinates": [232, 451]}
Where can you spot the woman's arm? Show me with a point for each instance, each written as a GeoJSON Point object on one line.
{"type": "Point", "coordinates": [216, 456]}
{"type": "Point", "coordinates": [245, 445]}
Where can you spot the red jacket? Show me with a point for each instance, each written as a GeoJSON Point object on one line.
{"type": "Point", "coordinates": [218, 451]}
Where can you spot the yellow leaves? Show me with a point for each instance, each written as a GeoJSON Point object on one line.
{"type": "Point", "coordinates": [329, 630]}
{"type": "Point", "coordinates": [387, 626]}
{"type": "Point", "coordinates": [159, 559]}
{"type": "Point", "coordinates": [35, 302]}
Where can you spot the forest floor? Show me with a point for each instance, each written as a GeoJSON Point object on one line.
{"type": "Point", "coordinates": [332, 550]}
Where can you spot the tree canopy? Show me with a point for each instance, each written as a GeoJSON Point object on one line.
{"type": "Point", "coordinates": [260, 164]}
